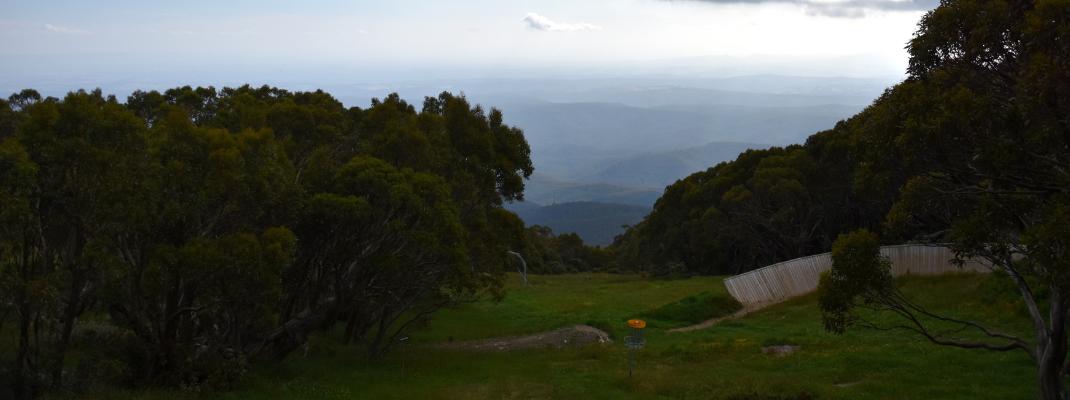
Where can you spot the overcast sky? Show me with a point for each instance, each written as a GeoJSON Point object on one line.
{"type": "Point", "coordinates": [43, 39]}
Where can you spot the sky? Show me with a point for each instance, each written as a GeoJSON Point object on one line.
{"type": "Point", "coordinates": [87, 42]}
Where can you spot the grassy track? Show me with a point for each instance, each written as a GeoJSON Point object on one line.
{"type": "Point", "coordinates": [553, 301]}
{"type": "Point", "coordinates": [721, 362]}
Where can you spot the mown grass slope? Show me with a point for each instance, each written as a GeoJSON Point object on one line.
{"type": "Point", "coordinates": [724, 361]}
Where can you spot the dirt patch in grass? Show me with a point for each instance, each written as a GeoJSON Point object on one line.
{"type": "Point", "coordinates": [692, 310]}
{"type": "Point", "coordinates": [712, 321]}
{"type": "Point", "coordinates": [573, 336]}
{"type": "Point", "coordinates": [780, 350]}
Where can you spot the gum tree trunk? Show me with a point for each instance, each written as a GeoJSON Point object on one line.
{"type": "Point", "coordinates": [1051, 354]}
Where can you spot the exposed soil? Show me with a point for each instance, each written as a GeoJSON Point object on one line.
{"type": "Point", "coordinates": [577, 335]}
{"type": "Point", "coordinates": [713, 321]}
{"type": "Point", "coordinates": [780, 351]}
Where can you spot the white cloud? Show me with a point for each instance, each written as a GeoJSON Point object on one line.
{"type": "Point", "coordinates": [843, 8]}
{"type": "Point", "coordinates": [539, 22]}
{"type": "Point", "coordinates": [65, 30]}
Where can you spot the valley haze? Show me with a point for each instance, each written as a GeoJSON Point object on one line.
{"type": "Point", "coordinates": [559, 199]}
{"type": "Point", "coordinates": [606, 136]}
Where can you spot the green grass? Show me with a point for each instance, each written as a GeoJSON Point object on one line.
{"type": "Point", "coordinates": [605, 301]}
{"type": "Point", "coordinates": [692, 310]}
{"type": "Point", "coordinates": [721, 362]}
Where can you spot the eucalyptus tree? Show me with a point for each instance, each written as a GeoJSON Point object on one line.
{"type": "Point", "coordinates": [981, 128]}
{"type": "Point", "coordinates": [65, 168]}
{"type": "Point", "coordinates": [765, 206]}
{"type": "Point", "coordinates": [412, 223]}
{"type": "Point", "coordinates": [215, 227]}
{"type": "Point", "coordinates": [19, 262]}
{"type": "Point", "coordinates": [199, 250]}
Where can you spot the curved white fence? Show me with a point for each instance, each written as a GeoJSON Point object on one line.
{"type": "Point", "coordinates": [784, 280]}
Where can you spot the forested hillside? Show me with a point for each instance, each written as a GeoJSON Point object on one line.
{"type": "Point", "coordinates": [765, 206]}
{"type": "Point", "coordinates": [191, 232]}
{"type": "Point", "coordinates": [171, 243]}
{"type": "Point", "coordinates": [976, 134]}
{"type": "Point", "coordinates": [658, 170]}
{"type": "Point", "coordinates": [596, 223]}
{"type": "Point", "coordinates": [545, 190]}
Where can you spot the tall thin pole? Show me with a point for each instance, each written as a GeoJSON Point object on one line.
{"type": "Point", "coordinates": [631, 362]}
{"type": "Point", "coordinates": [524, 272]}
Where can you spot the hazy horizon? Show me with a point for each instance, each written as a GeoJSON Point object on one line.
{"type": "Point", "coordinates": [118, 46]}
{"type": "Point", "coordinates": [617, 98]}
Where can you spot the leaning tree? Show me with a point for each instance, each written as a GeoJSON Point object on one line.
{"type": "Point", "coordinates": [983, 125]}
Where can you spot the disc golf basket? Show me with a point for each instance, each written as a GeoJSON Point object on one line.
{"type": "Point", "coordinates": [634, 341]}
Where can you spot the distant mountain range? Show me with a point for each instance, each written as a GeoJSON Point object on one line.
{"type": "Point", "coordinates": [598, 130]}
{"type": "Point", "coordinates": [642, 90]}
{"type": "Point", "coordinates": [607, 143]}
{"type": "Point", "coordinates": [545, 190]}
{"type": "Point", "coordinates": [658, 170]}
{"type": "Point", "coordinates": [635, 180]}
{"type": "Point", "coordinates": [605, 147]}
{"type": "Point", "coordinates": [622, 192]}
{"type": "Point", "coordinates": [597, 223]}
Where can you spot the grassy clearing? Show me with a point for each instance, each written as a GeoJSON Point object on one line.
{"type": "Point", "coordinates": [548, 302]}
{"type": "Point", "coordinates": [692, 310]}
{"type": "Point", "coordinates": [721, 362]}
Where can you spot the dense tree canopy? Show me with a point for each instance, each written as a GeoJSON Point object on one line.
{"type": "Point", "coordinates": [980, 131]}
{"type": "Point", "coordinates": [547, 253]}
{"type": "Point", "coordinates": [985, 77]}
{"type": "Point", "coordinates": [201, 229]}
{"type": "Point", "coordinates": [972, 149]}
{"type": "Point", "coordinates": [766, 206]}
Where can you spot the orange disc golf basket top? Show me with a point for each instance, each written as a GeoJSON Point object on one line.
{"type": "Point", "coordinates": [634, 341]}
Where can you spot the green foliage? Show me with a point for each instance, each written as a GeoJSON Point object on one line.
{"type": "Point", "coordinates": [212, 228]}
{"type": "Point", "coordinates": [693, 309]}
{"type": "Point", "coordinates": [972, 150]}
{"type": "Point", "coordinates": [977, 135]}
{"type": "Point", "coordinates": [597, 223]}
{"type": "Point", "coordinates": [546, 253]}
{"type": "Point", "coordinates": [764, 207]}
{"type": "Point", "coordinates": [716, 363]}
{"type": "Point", "coordinates": [859, 274]}
{"type": "Point", "coordinates": [548, 302]}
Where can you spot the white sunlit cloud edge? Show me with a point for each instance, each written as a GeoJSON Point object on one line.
{"type": "Point", "coordinates": [542, 23]}
{"type": "Point", "coordinates": [840, 8]}
{"type": "Point", "coordinates": [65, 30]}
